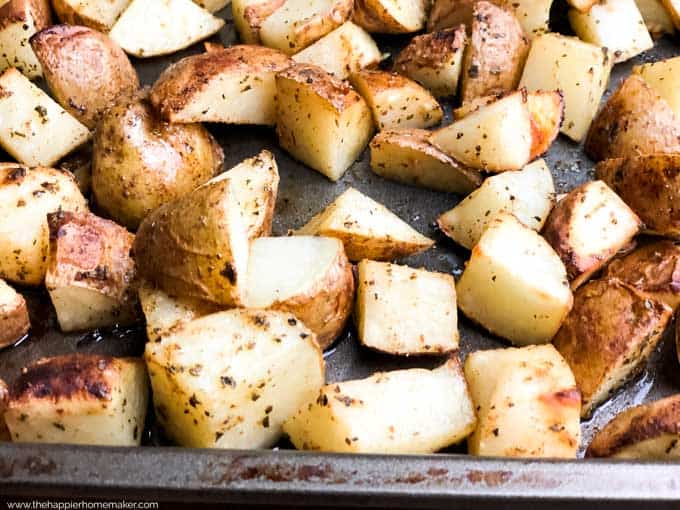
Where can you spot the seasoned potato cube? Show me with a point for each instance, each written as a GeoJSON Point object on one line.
{"type": "Point", "coordinates": [434, 60]}
{"type": "Point", "coordinates": [345, 50]}
{"type": "Point", "coordinates": [406, 155]}
{"type": "Point", "coordinates": [527, 403]}
{"type": "Point", "coordinates": [95, 14]}
{"type": "Point", "coordinates": [367, 229]}
{"type": "Point", "coordinates": [391, 16]}
{"type": "Point", "coordinates": [26, 197]}
{"type": "Point", "coordinates": [579, 70]}
{"type": "Point", "coordinates": [14, 321]}
{"type": "Point", "coordinates": [656, 18]}
{"type": "Point", "coordinates": [400, 310]}
{"type": "Point", "coordinates": [80, 399]}
{"type": "Point", "coordinates": [90, 273]}
{"type": "Point", "coordinates": [321, 120]}
{"type": "Point", "coordinates": [663, 76]}
{"type": "Point", "coordinates": [588, 227]}
{"type": "Point", "coordinates": [384, 413]}
{"type": "Point", "coordinates": [396, 101]}
{"type": "Point", "coordinates": [19, 20]}
{"type": "Point", "coordinates": [34, 129]}
{"type": "Point", "coordinates": [309, 277]}
{"type": "Point", "coordinates": [248, 17]}
{"type": "Point", "coordinates": [234, 85]}
{"type": "Point", "coordinates": [514, 284]}
{"type": "Point", "coordinates": [230, 379]}
{"type": "Point", "coordinates": [547, 114]}
{"type": "Point", "coordinates": [608, 336]}
{"type": "Point", "coordinates": [528, 194]}
{"type": "Point", "coordinates": [533, 15]}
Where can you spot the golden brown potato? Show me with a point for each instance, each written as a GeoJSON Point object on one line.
{"type": "Point", "coordinates": [390, 16]}
{"type": "Point", "coordinates": [19, 20]}
{"type": "Point", "coordinates": [547, 113]}
{"type": "Point", "coordinates": [14, 321]}
{"type": "Point", "coordinates": [450, 13]}
{"type": "Point", "coordinates": [85, 70]}
{"type": "Point", "coordinates": [608, 336]}
{"type": "Point", "coordinates": [248, 17]}
{"type": "Point", "coordinates": [95, 14]}
{"type": "Point", "coordinates": [141, 162]}
{"type": "Point", "coordinates": [673, 9]}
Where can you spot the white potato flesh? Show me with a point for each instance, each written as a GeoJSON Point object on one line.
{"type": "Point", "coordinates": [13, 319]}
{"type": "Point", "coordinates": [243, 13]}
{"type": "Point", "coordinates": [230, 379]}
{"type": "Point", "coordinates": [149, 28]}
{"type": "Point", "coordinates": [529, 194]}
{"type": "Point", "coordinates": [34, 129]}
{"type": "Point", "coordinates": [391, 16]}
{"type": "Point", "coordinates": [405, 411]}
{"type": "Point", "coordinates": [533, 15]}
{"type": "Point", "coordinates": [527, 403]}
{"type": "Point", "coordinates": [97, 14]}
{"type": "Point", "coordinates": [514, 284]}
{"type": "Point", "coordinates": [663, 76]}
{"type": "Point", "coordinates": [579, 69]}
{"type": "Point", "coordinates": [401, 310]}
{"type": "Point", "coordinates": [16, 28]}
{"type": "Point", "coordinates": [657, 19]}
{"type": "Point", "coordinates": [213, 5]}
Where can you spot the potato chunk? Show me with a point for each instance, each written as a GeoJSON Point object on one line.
{"type": "Point", "coordinates": [514, 284]}
{"type": "Point", "coordinates": [80, 399]}
{"type": "Point", "coordinates": [95, 14]}
{"type": "Point", "coordinates": [212, 5]}
{"type": "Point", "coordinates": [230, 379]}
{"type": "Point", "coordinates": [391, 16]}
{"type": "Point", "coordinates": [588, 227]}
{"type": "Point", "coordinates": [309, 277]}
{"type": "Point", "coordinates": [248, 17]}
{"type": "Point", "coordinates": [4, 400]}
{"type": "Point", "coordinates": [321, 120]}
{"type": "Point", "coordinates": [657, 19]}
{"type": "Point", "coordinates": [14, 321]}
{"type": "Point", "coordinates": [673, 9]}
{"type": "Point", "coordinates": [367, 229]}
{"type": "Point", "coordinates": [528, 194]}
{"type": "Point", "coordinates": [400, 310]}
{"type": "Point", "coordinates": [19, 20]}
{"type": "Point", "coordinates": [527, 403]}
{"type": "Point", "coordinates": [384, 413]}
{"type": "Point", "coordinates": [608, 336]}
{"type": "Point", "coordinates": [663, 76]}
{"type": "Point", "coordinates": [34, 129]}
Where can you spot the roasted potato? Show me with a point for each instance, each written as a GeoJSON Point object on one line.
{"type": "Point", "coordinates": [212, 5]}
{"type": "Point", "coordinates": [95, 14]}
{"type": "Point", "coordinates": [29, 117]}
{"type": "Point", "coordinates": [248, 17]}
{"type": "Point", "coordinates": [405, 311]}
{"type": "Point", "coordinates": [396, 101]}
{"type": "Point", "coordinates": [19, 20]}
{"type": "Point", "coordinates": [588, 227]}
{"type": "Point", "coordinates": [582, 5]}
{"type": "Point", "coordinates": [140, 162]}
{"type": "Point", "coordinates": [663, 76]}
{"type": "Point", "coordinates": [579, 70]}
{"type": "Point", "coordinates": [657, 20]}
{"type": "Point", "coordinates": [367, 229]}
{"type": "Point", "coordinates": [149, 28]}
{"type": "Point", "coordinates": [673, 9]}
{"type": "Point", "coordinates": [26, 197]}
{"type": "Point", "coordinates": [80, 399]}
{"type": "Point", "coordinates": [434, 60]}
{"type": "Point", "coordinates": [390, 16]}
{"type": "Point", "coordinates": [298, 23]}
{"type": "Point", "coordinates": [230, 379]}
{"type": "Point", "coordinates": [14, 320]}
{"type": "Point", "coordinates": [4, 400]}
{"type": "Point", "coordinates": [321, 120]}
{"type": "Point", "coordinates": [528, 194]}
{"type": "Point", "coordinates": [514, 284]}
{"type": "Point", "coordinates": [635, 120]}
{"type": "Point", "coordinates": [85, 86]}
{"type": "Point", "coordinates": [406, 155]}
{"type": "Point", "coordinates": [547, 114]}
{"type": "Point", "coordinates": [90, 273]}
{"type": "Point", "coordinates": [234, 85]}
{"type": "Point", "coordinates": [384, 413]}
{"type": "Point", "coordinates": [527, 403]}
{"type": "Point", "coordinates": [450, 13]}
{"type": "Point", "coordinates": [495, 56]}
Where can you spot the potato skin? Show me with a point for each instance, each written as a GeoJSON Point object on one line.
{"type": "Point", "coordinates": [373, 16]}
{"type": "Point", "coordinates": [140, 162]}
{"type": "Point", "coordinates": [450, 13]}
{"type": "Point", "coordinates": [85, 70]}
{"type": "Point", "coordinates": [4, 400]}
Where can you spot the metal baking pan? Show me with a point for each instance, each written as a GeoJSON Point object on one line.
{"type": "Point", "coordinates": [156, 471]}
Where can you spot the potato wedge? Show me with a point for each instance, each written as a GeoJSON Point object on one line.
{"type": "Point", "coordinates": [528, 194]}
{"type": "Point", "coordinates": [26, 197]}
{"type": "Point", "coordinates": [85, 86]}
{"type": "Point", "coordinates": [298, 23]}
{"type": "Point", "coordinates": [149, 28]}
{"type": "Point", "coordinates": [608, 336]}
{"type": "Point", "coordinates": [579, 70]}
{"type": "Point", "coordinates": [514, 284]}
{"type": "Point", "coordinates": [28, 117]}
{"type": "Point", "coordinates": [657, 20]}
{"type": "Point", "coordinates": [390, 16]}
{"type": "Point", "coordinates": [494, 58]}
{"type": "Point", "coordinates": [79, 399]}
{"type": "Point", "coordinates": [588, 227]}
{"type": "Point", "coordinates": [90, 273]}
{"type": "Point", "coordinates": [406, 311]}
{"type": "Point", "coordinates": [14, 320]}
{"type": "Point", "coordinates": [434, 60]}
{"type": "Point", "coordinates": [367, 229]}
{"type": "Point", "coordinates": [248, 17]}
{"type": "Point", "coordinates": [384, 413]}
{"type": "Point", "coordinates": [234, 85]}
{"type": "Point", "coordinates": [663, 77]}
{"type": "Point", "coordinates": [396, 101]}
{"type": "Point", "coordinates": [345, 50]}
{"type": "Point", "coordinates": [321, 120]}
{"type": "Point", "coordinates": [406, 156]}
{"type": "Point", "coordinates": [527, 403]}
{"type": "Point", "coordinates": [635, 120]}
{"type": "Point", "coordinates": [19, 20]}
{"type": "Point", "coordinates": [95, 14]}
{"type": "Point", "coordinates": [230, 379]}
